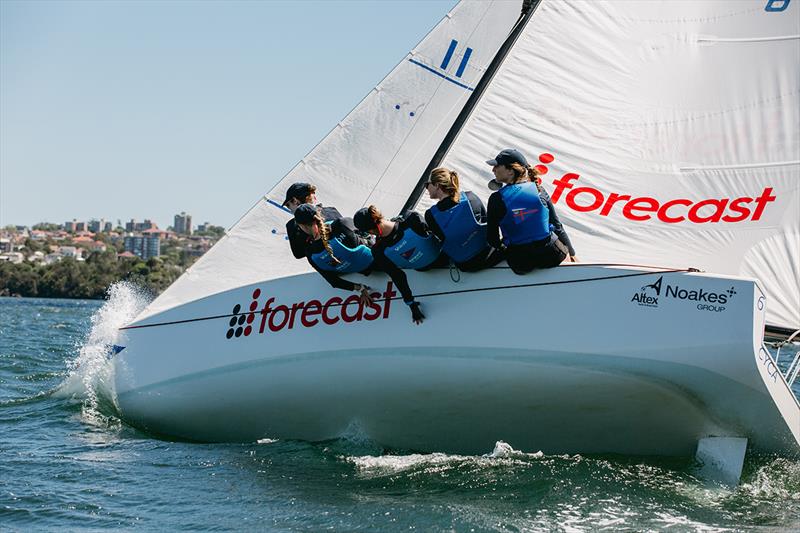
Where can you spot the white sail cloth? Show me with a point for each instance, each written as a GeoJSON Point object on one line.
{"type": "Point", "coordinates": [671, 133]}
{"type": "Point", "coordinates": [374, 155]}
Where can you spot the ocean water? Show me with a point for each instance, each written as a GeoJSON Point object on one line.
{"type": "Point", "coordinates": [68, 462]}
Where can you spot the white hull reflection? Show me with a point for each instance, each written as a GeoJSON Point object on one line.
{"type": "Point", "coordinates": [577, 359]}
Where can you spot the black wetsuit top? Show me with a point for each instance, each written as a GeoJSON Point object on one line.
{"type": "Point", "coordinates": [298, 239]}
{"type": "Point", "coordinates": [497, 210]}
{"type": "Point", "coordinates": [412, 221]}
{"type": "Point", "coordinates": [343, 229]}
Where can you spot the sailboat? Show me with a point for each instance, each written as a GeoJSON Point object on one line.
{"type": "Point", "coordinates": [667, 133]}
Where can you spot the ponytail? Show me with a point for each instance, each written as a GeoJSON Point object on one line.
{"type": "Point", "coordinates": [454, 190]}
{"type": "Point", "coordinates": [375, 215]}
{"type": "Point", "coordinates": [533, 174]}
{"type": "Point", "coordinates": [447, 180]}
{"type": "Point", "coordinates": [325, 234]}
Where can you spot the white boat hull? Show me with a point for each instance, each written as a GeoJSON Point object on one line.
{"type": "Point", "coordinates": [575, 359]}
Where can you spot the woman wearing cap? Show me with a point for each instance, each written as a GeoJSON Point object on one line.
{"type": "Point", "coordinates": [333, 249]}
{"type": "Point", "coordinates": [297, 195]}
{"type": "Point", "coordinates": [533, 236]}
{"type": "Point", "coordinates": [405, 241]}
{"type": "Point", "coordinates": [459, 220]}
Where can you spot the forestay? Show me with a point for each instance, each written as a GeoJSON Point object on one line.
{"type": "Point", "coordinates": [374, 155]}
{"type": "Point", "coordinates": [668, 133]}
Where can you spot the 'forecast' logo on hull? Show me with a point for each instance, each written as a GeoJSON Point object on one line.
{"type": "Point", "coordinates": [307, 314]}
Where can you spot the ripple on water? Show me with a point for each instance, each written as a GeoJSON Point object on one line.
{"type": "Point", "coordinates": [68, 462]}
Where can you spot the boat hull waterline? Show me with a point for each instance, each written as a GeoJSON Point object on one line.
{"type": "Point", "coordinates": [576, 359]}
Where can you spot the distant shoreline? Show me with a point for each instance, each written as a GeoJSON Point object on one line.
{"type": "Point", "coordinates": [19, 297]}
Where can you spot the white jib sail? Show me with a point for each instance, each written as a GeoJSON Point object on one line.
{"type": "Point", "coordinates": [374, 155]}
{"type": "Point", "coordinates": [669, 132]}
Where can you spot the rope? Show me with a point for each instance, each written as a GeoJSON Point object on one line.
{"type": "Point", "coordinates": [780, 344]}
{"type": "Point", "coordinates": [455, 273]}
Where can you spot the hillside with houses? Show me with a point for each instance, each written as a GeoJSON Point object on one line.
{"type": "Point", "coordinates": [82, 259]}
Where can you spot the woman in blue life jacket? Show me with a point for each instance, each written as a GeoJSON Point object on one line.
{"type": "Point", "coordinates": [333, 249]}
{"type": "Point", "coordinates": [296, 195]}
{"type": "Point", "coordinates": [405, 241]}
{"type": "Point", "coordinates": [459, 220]}
{"type": "Point", "coordinates": [533, 236]}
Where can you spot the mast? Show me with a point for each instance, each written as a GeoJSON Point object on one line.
{"type": "Point", "coordinates": [528, 8]}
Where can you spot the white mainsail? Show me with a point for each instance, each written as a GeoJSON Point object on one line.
{"type": "Point", "coordinates": [374, 155]}
{"type": "Point", "coordinates": [669, 131]}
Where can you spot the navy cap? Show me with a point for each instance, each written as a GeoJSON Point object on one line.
{"type": "Point", "coordinates": [362, 220]}
{"type": "Point", "coordinates": [299, 191]}
{"type": "Point", "coordinates": [508, 156]}
{"type": "Point", "coordinates": [305, 214]}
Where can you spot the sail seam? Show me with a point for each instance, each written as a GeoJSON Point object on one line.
{"type": "Point", "coordinates": [746, 39]}
{"type": "Point", "coordinates": [448, 78]}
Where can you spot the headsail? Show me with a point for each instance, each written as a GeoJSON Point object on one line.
{"type": "Point", "coordinates": [374, 155]}
{"type": "Point", "coordinates": [669, 133]}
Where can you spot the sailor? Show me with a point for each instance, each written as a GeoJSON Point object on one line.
{"type": "Point", "coordinates": [297, 195]}
{"type": "Point", "coordinates": [405, 241]}
{"type": "Point", "coordinates": [333, 249]}
{"type": "Point", "coordinates": [533, 236]}
{"type": "Point", "coordinates": [459, 220]}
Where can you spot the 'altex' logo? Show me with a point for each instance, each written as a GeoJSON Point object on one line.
{"type": "Point", "coordinates": [648, 296]}
{"type": "Point", "coordinates": [647, 299]}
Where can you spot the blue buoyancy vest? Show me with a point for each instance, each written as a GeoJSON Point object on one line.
{"type": "Point", "coordinates": [464, 236]}
{"type": "Point", "coordinates": [350, 259]}
{"type": "Point", "coordinates": [527, 217]}
{"type": "Point", "coordinates": [413, 250]}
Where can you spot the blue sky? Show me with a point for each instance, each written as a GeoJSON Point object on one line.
{"type": "Point", "coordinates": [122, 110]}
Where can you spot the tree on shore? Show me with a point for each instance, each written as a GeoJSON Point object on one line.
{"type": "Point", "coordinates": [89, 279]}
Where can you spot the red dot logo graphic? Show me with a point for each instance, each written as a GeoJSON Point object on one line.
{"type": "Point", "coordinates": [251, 315]}
{"type": "Point", "coordinates": [240, 322]}
{"type": "Point", "coordinates": [545, 158]}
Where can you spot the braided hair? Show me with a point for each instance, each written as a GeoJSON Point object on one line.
{"type": "Point", "coordinates": [325, 235]}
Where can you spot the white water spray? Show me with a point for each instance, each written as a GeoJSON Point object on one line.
{"type": "Point", "coordinates": [91, 377]}
{"type": "Point", "coordinates": [503, 453]}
